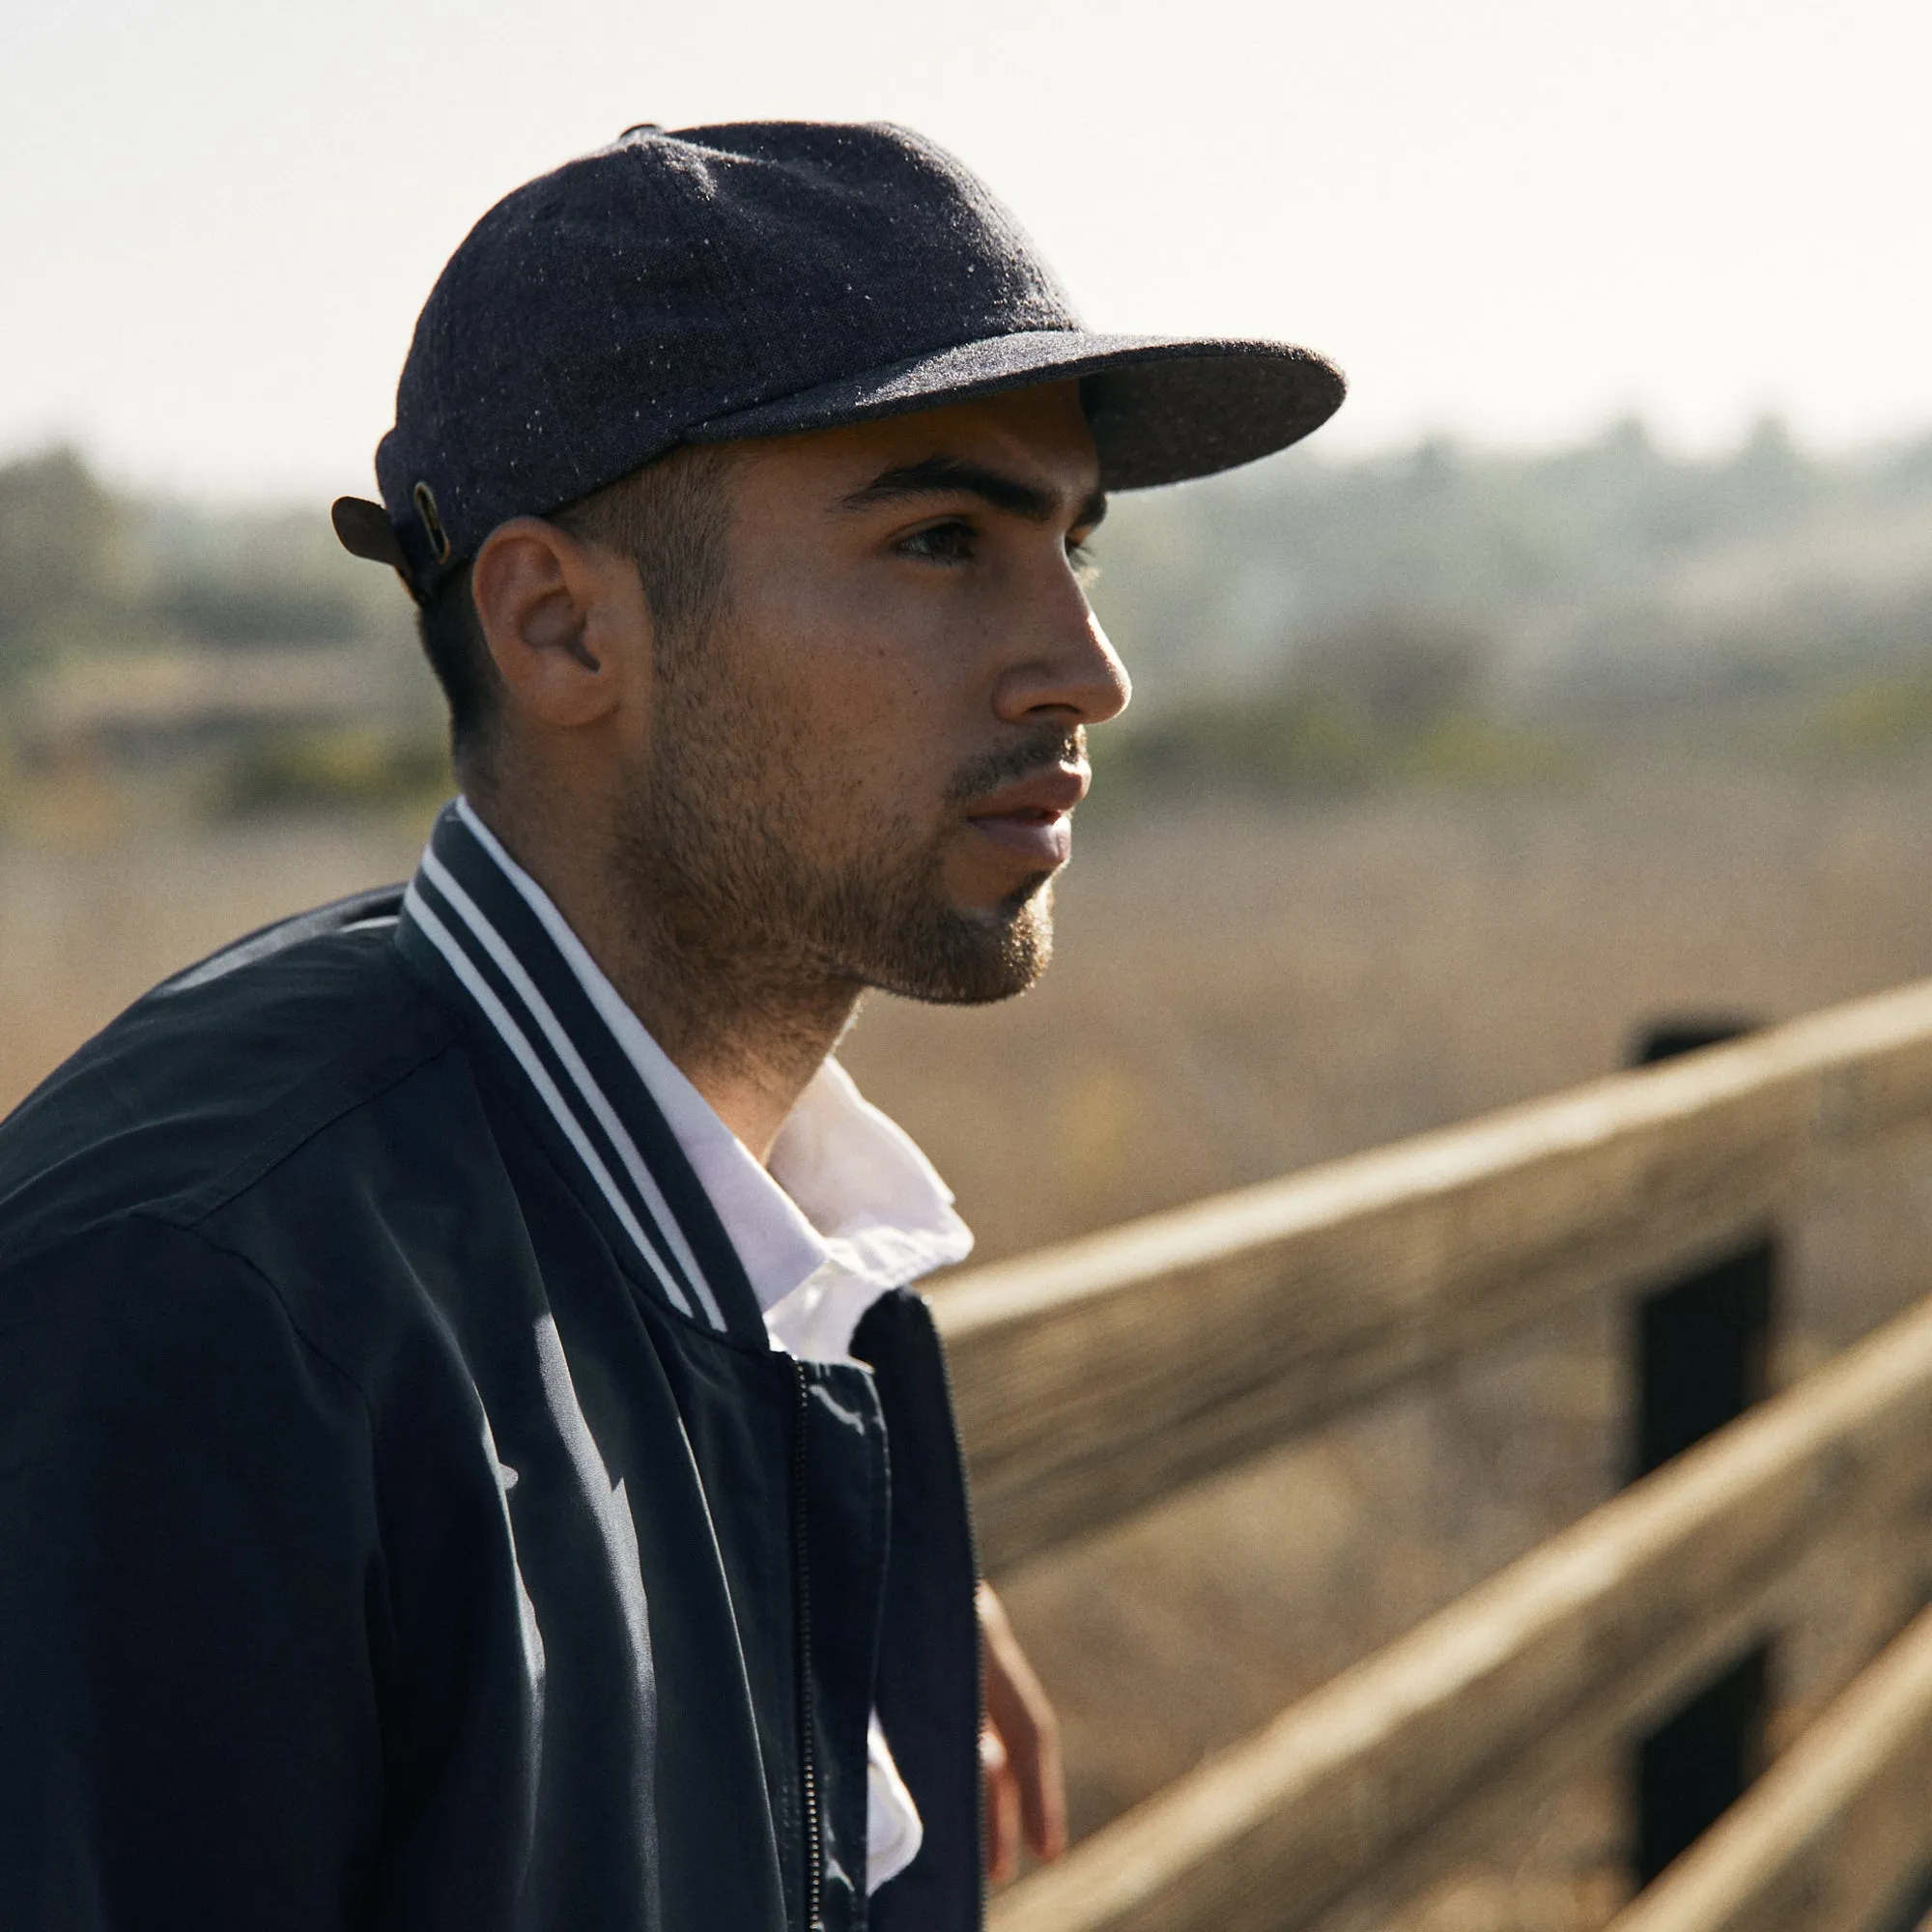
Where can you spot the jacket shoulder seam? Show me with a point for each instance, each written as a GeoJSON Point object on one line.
{"type": "Point", "coordinates": [94, 1231]}
{"type": "Point", "coordinates": [315, 1106]}
{"type": "Point", "coordinates": [241, 1259]}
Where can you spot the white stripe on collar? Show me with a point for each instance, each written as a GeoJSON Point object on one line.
{"type": "Point", "coordinates": [850, 1208]}
{"type": "Point", "coordinates": [517, 1041]}
{"type": "Point", "coordinates": [566, 1049]}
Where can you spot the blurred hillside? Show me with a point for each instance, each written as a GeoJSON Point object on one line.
{"type": "Point", "coordinates": [156, 654]}
{"type": "Point", "coordinates": [85, 571]}
{"type": "Point", "coordinates": [1445, 613]}
{"type": "Point", "coordinates": [1460, 610]}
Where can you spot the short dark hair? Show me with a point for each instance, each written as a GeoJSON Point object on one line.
{"type": "Point", "coordinates": [452, 641]}
{"type": "Point", "coordinates": [669, 517]}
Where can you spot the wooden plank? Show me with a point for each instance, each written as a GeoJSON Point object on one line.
{"type": "Point", "coordinates": [1833, 1834]}
{"type": "Point", "coordinates": [1094, 1378]}
{"type": "Point", "coordinates": [1486, 1826]}
{"type": "Point", "coordinates": [1598, 1630]}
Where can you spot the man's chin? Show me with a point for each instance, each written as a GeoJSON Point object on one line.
{"type": "Point", "coordinates": [970, 956]}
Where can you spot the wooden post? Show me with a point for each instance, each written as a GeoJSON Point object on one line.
{"type": "Point", "coordinates": [1914, 1914]}
{"type": "Point", "coordinates": [1703, 1347]}
{"type": "Point", "coordinates": [1836, 1837]}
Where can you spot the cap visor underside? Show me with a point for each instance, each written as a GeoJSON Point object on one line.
{"type": "Point", "coordinates": [1162, 407]}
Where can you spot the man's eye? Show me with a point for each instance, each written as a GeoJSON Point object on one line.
{"type": "Point", "coordinates": [1085, 571]}
{"type": "Point", "coordinates": [942, 543]}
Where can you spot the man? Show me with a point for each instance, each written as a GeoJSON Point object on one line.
{"type": "Point", "coordinates": [470, 1456]}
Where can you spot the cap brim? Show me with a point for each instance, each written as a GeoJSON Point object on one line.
{"type": "Point", "coordinates": [1162, 407]}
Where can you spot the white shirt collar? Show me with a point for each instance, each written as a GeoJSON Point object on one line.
{"type": "Point", "coordinates": [849, 1208]}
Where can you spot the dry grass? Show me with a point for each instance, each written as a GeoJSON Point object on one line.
{"type": "Point", "coordinates": [88, 921]}
{"type": "Point", "coordinates": [1242, 990]}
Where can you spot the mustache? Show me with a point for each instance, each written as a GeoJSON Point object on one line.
{"type": "Point", "coordinates": [1041, 750]}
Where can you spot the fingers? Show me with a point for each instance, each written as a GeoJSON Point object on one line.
{"type": "Point", "coordinates": [1018, 1712]}
{"type": "Point", "coordinates": [1003, 1810]}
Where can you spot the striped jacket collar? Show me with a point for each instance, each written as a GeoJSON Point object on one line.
{"type": "Point", "coordinates": [481, 926]}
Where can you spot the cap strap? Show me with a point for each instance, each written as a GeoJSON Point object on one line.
{"type": "Point", "coordinates": [365, 530]}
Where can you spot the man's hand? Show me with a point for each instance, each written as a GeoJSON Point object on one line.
{"type": "Point", "coordinates": [1019, 1749]}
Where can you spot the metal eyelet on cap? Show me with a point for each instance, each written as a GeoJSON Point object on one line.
{"type": "Point", "coordinates": [438, 540]}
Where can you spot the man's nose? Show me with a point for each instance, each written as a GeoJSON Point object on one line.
{"type": "Point", "coordinates": [1073, 676]}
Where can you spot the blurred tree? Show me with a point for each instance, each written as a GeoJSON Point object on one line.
{"type": "Point", "coordinates": [1770, 473]}
{"type": "Point", "coordinates": [263, 605]}
{"type": "Point", "coordinates": [62, 557]}
{"type": "Point", "coordinates": [1401, 669]}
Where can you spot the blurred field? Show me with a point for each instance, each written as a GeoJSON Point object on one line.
{"type": "Point", "coordinates": [1244, 987]}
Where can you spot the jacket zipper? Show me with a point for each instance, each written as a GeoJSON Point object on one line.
{"type": "Point", "coordinates": [807, 1762]}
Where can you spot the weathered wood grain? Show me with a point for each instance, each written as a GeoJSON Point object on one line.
{"type": "Point", "coordinates": [1485, 1827]}
{"type": "Point", "coordinates": [1833, 1834]}
{"type": "Point", "coordinates": [1094, 1378]}
{"type": "Point", "coordinates": [1598, 1630]}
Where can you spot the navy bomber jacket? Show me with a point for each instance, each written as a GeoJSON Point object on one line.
{"type": "Point", "coordinates": [405, 1523]}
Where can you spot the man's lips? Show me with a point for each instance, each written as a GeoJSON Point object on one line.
{"type": "Point", "coordinates": [1033, 818]}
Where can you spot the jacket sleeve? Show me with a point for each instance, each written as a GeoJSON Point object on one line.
{"type": "Point", "coordinates": [191, 1582]}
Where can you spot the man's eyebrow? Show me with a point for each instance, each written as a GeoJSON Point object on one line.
{"type": "Point", "coordinates": [951, 475]}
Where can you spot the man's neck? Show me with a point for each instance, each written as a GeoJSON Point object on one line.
{"type": "Point", "coordinates": [747, 1032]}
{"type": "Point", "coordinates": [750, 1042]}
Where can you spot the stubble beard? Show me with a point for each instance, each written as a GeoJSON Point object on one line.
{"type": "Point", "coordinates": [766, 931]}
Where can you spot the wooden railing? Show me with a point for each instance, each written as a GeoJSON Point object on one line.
{"type": "Point", "coordinates": [1096, 1379]}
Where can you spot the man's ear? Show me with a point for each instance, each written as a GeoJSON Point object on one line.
{"type": "Point", "coordinates": [566, 621]}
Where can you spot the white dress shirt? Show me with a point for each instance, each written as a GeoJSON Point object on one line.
{"type": "Point", "coordinates": [847, 1209]}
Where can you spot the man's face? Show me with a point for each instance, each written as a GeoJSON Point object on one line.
{"type": "Point", "coordinates": [867, 768]}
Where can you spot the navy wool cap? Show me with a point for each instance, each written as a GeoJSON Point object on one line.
{"type": "Point", "coordinates": [758, 279]}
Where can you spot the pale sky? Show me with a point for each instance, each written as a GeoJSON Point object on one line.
{"type": "Point", "coordinates": [1506, 220]}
